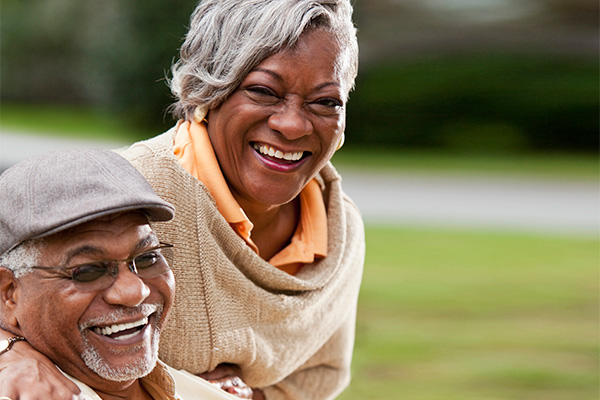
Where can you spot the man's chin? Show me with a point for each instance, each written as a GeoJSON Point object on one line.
{"type": "Point", "coordinates": [128, 355]}
{"type": "Point", "coordinates": [131, 363]}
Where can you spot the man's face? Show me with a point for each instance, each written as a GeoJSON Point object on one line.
{"type": "Point", "coordinates": [72, 326]}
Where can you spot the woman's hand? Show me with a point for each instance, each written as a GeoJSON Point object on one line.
{"type": "Point", "coordinates": [228, 378]}
{"type": "Point", "coordinates": [27, 374]}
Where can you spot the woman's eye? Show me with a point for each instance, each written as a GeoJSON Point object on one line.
{"type": "Point", "coordinates": [262, 92]}
{"type": "Point", "coordinates": [327, 106]}
{"type": "Point", "coordinates": [333, 103]}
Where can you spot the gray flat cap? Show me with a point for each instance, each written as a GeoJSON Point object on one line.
{"type": "Point", "coordinates": [46, 194]}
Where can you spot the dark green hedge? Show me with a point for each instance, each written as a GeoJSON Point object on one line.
{"type": "Point", "coordinates": [478, 102]}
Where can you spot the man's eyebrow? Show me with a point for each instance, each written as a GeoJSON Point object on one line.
{"type": "Point", "coordinates": [91, 250]}
{"type": "Point", "coordinates": [146, 241]}
{"type": "Point", "coordinates": [83, 250]}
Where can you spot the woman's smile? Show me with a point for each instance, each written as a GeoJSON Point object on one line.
{"type": "Point", "coordinates": [279, 160]}
{"type": "Point", "coordinates": [280, 155]}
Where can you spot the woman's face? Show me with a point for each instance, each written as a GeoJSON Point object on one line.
{"type": "Point", "coordinates": [282, 124]}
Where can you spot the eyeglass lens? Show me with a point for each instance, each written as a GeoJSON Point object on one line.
{"type": "Point", "coordinates": [101, 274]}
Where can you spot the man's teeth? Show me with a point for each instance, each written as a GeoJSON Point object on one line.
{"type": "Point", "coordinates": [109, 330]}
{"type": "Point", "coordinates": [270, 151]}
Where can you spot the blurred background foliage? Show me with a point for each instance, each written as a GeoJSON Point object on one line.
{"type": "Point", "coordinates": [111, 55]}
{"type": "Point", "coordinates": [468, 75]}
{"type": "Point", "coordinates": [486, 76]}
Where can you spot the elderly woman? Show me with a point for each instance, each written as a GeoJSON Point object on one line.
{"type": "Point", "coordinates": [269, 249]}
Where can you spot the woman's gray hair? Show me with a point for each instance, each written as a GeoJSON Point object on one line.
{"type": "Point", "coordinates": [24, 257]}
{"type": "Point", "coordinates": [228, 38]}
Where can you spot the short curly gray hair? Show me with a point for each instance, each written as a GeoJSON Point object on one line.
{"type": "Point", "coordinates": [228, 38]}
{"type": "Point", "coordinates": [24, 257]}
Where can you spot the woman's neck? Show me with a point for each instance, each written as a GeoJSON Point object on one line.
{"type": "Point", "coordinates": [273, 227]}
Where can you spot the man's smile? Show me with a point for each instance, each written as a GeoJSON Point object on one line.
{"type": "Point", "coordinates": [122, 331]}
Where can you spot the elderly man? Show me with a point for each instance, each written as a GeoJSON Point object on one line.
{"type": "Point", "coordinates": [84, 279]}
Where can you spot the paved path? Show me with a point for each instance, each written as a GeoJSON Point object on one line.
{"type": "Point", "coordinates": [16, 146]}
{"type": "Point", "coordinates": [423, 200]}
{"type": "Point", "coordinates": [477, 202]}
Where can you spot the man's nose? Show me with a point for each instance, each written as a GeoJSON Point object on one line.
{"type": "Point", "coordinates": [128, 289]}
{"type": "Point", "coordinates": [291, 120]}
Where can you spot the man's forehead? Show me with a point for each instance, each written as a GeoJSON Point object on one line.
{"type": "Point", "coordinates": [113, 221]}
{"type": "Point", "coordinates": [115, 229]}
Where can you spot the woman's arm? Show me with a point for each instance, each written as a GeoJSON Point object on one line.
{"type": "Point", "coordinates": [25, 373]}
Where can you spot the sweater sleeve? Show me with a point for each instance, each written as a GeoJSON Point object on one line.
{"type": "Point", "coordinates": [325, 375]}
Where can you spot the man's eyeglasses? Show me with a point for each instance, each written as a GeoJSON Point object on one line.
{"type": "Point", "coordinates": [99, 275]}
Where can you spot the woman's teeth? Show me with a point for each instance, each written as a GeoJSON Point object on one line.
{"type": "Point", "coordinates": [272, 152]}
{"type": "Point", "coordinates": [109, 330]}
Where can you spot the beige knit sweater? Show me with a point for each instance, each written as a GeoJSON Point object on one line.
{"type": "Point", "coordinates": [291, 335]}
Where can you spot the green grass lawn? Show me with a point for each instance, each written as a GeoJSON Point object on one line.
{"type": "Point", "coordinates": [484, 316]}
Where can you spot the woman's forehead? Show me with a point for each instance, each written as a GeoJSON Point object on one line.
{"type": "Point", "coordinates": [317, 49]}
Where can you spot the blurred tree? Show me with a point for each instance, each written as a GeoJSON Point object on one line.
{"type": "Point", "coordinates": [493, 76]}
{"type": "Point", "coordinates": [40, 50]}
{"type": "Point", "coordinates": [112, 54]}
{"type": "Point", "coordinates": [131, 50]}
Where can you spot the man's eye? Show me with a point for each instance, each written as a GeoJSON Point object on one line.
{"type": "Point", "coordinates": [147, 259]}
{"type": "Point", "coordinates": [88, 272]}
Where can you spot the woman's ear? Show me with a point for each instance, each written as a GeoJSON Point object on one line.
{"type": "Point", "coordinates": [9, 295]}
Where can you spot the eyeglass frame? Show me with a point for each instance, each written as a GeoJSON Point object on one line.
{"type": "Point", "coordinates": [112, 267]}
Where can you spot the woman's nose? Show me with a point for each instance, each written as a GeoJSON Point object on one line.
{"type": "Point", "coordinates": [292, 121]}
{"type": "Point", "coordinates": [128, 289]}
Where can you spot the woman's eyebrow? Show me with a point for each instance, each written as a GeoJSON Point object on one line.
{"type": "Point", "coordinates": [280, 78]}
{"type": "Point", "coordinates": [268, 71]}
{"type": "Point", "coordinates": [325, 84]}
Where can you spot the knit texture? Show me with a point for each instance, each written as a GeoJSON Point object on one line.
{"type": "Point", "coordinates": [291, 335]}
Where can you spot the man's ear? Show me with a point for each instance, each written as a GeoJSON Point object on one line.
{"type": "Point", "coordinates": [9, 295]}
